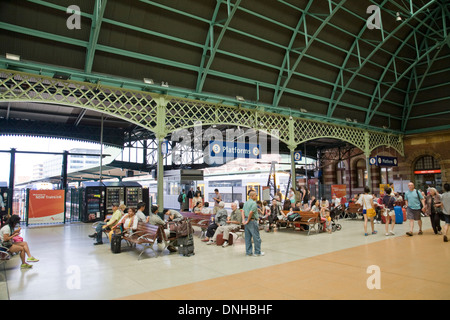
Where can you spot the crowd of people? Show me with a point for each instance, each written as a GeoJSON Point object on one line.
{"type": "Point", "coordinates": [417, 204]}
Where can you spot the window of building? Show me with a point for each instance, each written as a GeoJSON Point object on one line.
{"type": "Point", "coordinates": [361, 173]}
{"type": "Point", "coordinates": [386, 175]}
{"type": "Point", "coordinates": [427, 163]}
{"type": "Point", "coordinates": [340, 172]}
{"type": "Point", "coordinates": [427, 173]}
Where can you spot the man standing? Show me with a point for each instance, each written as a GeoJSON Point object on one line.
{"type": "Point", "coordinates": [415, 204]}
{"type": "Point", "coordinates": [217, 199]}
{"type": "Point", "coordinates": [445, 198]}
{"type": "Point", "coordinates": [251, 218]}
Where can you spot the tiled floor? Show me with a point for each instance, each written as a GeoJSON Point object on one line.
{"type": "Point", "coordinates": [296, 266]}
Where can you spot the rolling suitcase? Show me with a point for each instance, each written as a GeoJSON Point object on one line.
{"type": "Point", "coordinates": [186, 245]}
{"type": "Point", "coordinates": [116, 241]}
{"type": "Point", "coordinates": [398, 215]}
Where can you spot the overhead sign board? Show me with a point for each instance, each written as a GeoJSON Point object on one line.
{"type": "Point", "coordinates": [384, 161]}
{"type": "Point", "coordinates": [234, 150]}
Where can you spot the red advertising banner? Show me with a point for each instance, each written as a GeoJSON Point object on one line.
{"type": "Point", "coordinates": [340, 190]}
{"type": "Point", "coordinates": [46, 206]}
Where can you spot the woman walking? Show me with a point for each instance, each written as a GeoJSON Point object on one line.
{"type": "Point", "coordinates": [366, 200]}
{"type": "Point", "coordinates": [432, 206]}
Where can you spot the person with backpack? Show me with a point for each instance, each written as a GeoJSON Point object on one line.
{"type": "Point", "coordinates": [415, 205]}
{"type": "Point", "coordinates": [182, 200]}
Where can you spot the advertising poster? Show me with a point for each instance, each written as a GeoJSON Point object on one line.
{"type": "Point", "coordinates": [340, 190]}
{"type": "Point", "coordinates": [382, 186]}
{"type": "Point", "coordinates": [46, 206]}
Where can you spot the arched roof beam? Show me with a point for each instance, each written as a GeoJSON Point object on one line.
{"type": "Point", "coordinates": [208, 46]}
{"type": "Point", "coordinates": [407, 110]}
{"type": "Point", "coordinates": [287, 58]}
{"type": "Point", "coordinates": [408, 107]}
{"type": "Point", "coordinates": [377, 91]}
{"type": "Point", "coordinates": [282, 89]}
{"type": "Point", "coordinates": [203, 72]}
{"type": "Point", "coordinates": [97, 18]}
{"type": "Point", "coordinates": [373, 52]}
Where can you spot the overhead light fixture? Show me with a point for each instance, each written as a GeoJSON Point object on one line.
{"type": "Point", "coordinates": [61, 76]}
{"type": "Point", "coordinates": [239, 98]}
{"type": "Point", "coordinates": [164, 84]}
{"type": "Point", "coordinates": [399, 17]}
{"type": "Point", "coordinates": [348, 120]}
{"type": "Point", "coordinates": [303, 110]}
{"type": "Point", "coordinates": [355, 121]}
{"type": "Point", "coordinates": [148, 81]}
{"type": "Point", "coordinates": [11, 56]}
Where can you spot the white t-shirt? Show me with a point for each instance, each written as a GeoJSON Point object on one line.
{"type": "Point", "coordinates": [5, 230]}
{"type": "Point", "coordinates": [366, 200]}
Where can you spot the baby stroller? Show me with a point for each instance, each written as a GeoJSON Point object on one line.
{"type": "Point", "coordinates": [335, 214]}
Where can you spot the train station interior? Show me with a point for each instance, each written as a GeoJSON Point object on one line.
{"type": "Point", "coordinates": [120, 102]}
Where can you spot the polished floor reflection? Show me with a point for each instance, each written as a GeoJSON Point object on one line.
{"type": "Point", "coordinates": [323, 266]}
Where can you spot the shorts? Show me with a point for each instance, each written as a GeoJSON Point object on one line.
{"type": "Point", "coordinates": [413, 214]}
{"type": "Point", "coordinates": [387, 212]}
{"type": "Point", "coordinates": [447, 218]}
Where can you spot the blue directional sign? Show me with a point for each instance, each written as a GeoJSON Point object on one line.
{"type": "Point", "coordinates": [298, 156]}
{"type": "Point", "coordinates": [226, 149]}
{"type": "Point", "coordinates": [383, 161]}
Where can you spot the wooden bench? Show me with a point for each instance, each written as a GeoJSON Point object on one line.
{"type": "Point", "coordinates": [146, 235]}
{"type": "Point", "coordinates": [307, 218]}
{"type": "Point", "coordinates": [198, 220]}
{"type": "Point", "coordinates": [353, 210]}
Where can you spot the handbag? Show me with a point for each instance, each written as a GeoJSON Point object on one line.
{"type": "Point", "coordinates": [17, 239]}
{"type": "Point", "coordinates": [370, 211]}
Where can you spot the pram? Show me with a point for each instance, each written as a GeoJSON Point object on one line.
{"type": "Point", "coordinates": [335, 214]}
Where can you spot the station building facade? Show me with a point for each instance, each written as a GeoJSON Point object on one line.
{"type": "Point", "coordinates": [426, 162]}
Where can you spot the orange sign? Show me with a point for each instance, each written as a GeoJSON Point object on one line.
{"type": "Point", "coordinates": [339, 190]}
{"type": "Point", "coordinates": [46, 206]}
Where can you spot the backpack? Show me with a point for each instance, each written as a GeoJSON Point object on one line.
{"type": "Point", "coordinates": [183, 228]}
{"type": "Point", "coordinates": [180, 198]}
{"type": "Point", "coordinates": [294, 216]}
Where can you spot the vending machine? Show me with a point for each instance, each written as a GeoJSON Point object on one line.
{"type": "Point", "coordinates": [93, 202]}
{"type": "Point", "coordinates": [4, 197]}
{"type": "Point", "coordinates": [133, 194]}
{"type": "Point", "coordinates": [115, 194]}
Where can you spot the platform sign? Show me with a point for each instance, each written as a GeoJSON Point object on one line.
{"type": "Point", "coordinates": [384, 161]}
{"type": "Point", "coordinates": [234, 150]}
{"type": "Point", "coordinates": [297, 156]}
{"type": "Point", "coordinates": [165, 147]}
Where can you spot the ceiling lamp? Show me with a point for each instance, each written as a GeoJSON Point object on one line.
{"type": "Point", "coordinates": [11, 56]}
